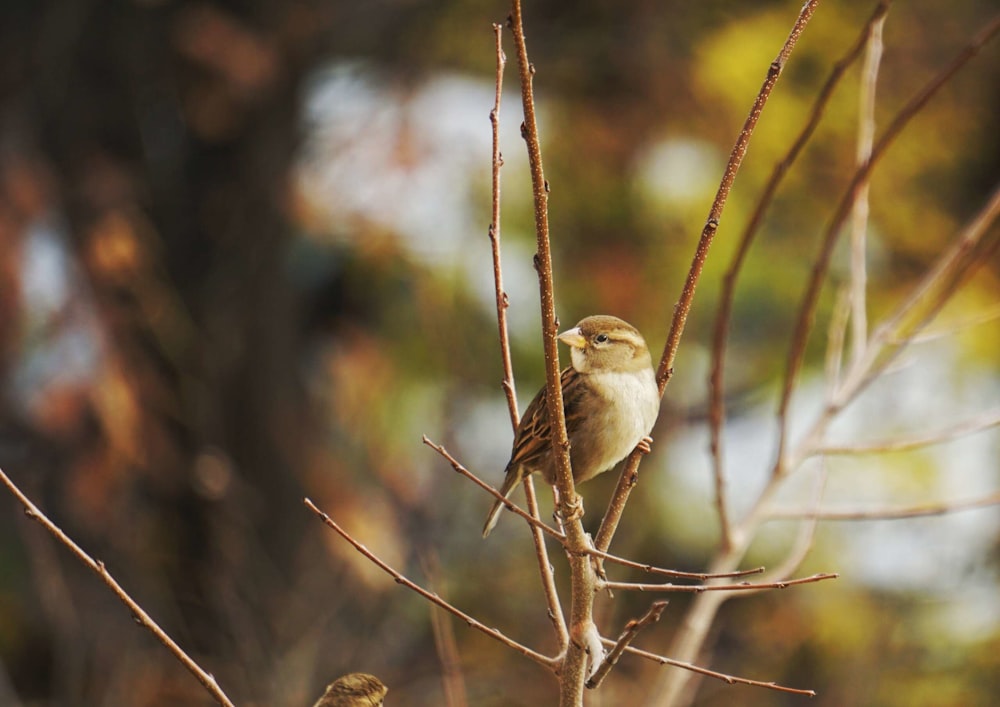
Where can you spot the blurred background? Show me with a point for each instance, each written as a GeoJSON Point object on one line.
{"type": "Point", "coordinates": [244, 260]}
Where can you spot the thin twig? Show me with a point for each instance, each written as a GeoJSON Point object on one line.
{"type": "Point", "coordinates": [977, 424]}
{"type": "Point", "coordinates": [731, 679]}
{"type": "Point", "coordinates": [632, 629]}
{"type": "Point", "coordinates": [555, 610]}
{"type": "Point", "coordinates": [629, 475]}
{"type": "Point", "coordinates": [836, 335]}
{"type": "Point", "coordinates": [860, 208]}
{"type": "Point", "coordinates": [683, 306]}
{"type": "Point", "coordinates": [651, 569]}
{"type": "Point", "coordinates": [942, 332]}
{"type": "Point", "coordinates": [582, 575]}
{"type": "Point", "coordinates": [689, 641]}
{"type": "Point", "coordinates": [724, 314]}
{"type": "Point", "coordinates": [806, 531]}
{"type": "Point", "coordinates": [970, 250]}
{"type": "Point", "coordinates": [959, 260]}
{"type": "Point", "coordinates": [559, 439]}
{"type": "Point", "coordinates": [503, 302]}
{"type": "Point", "coordinates": [550, 663]}
{"type": "Point", "coordinates": [946, 269]}
{"type": "Point", "coordinates": [510, 505]}
{"type": "Point", "coordinates": [821, 265]}
{"type": "Point", "coordinates": [921, 511]}
{"type": "Point", "coordinates": [138, 613]}
{"type": "Point", "coordinates": [452, 679]}
{"type": "Point", "coordinates": [699, 588]}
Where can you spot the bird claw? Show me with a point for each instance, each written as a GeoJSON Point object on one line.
{"type": "Point", "coordinates": [645, 445]}
{"type": "Point", "coordinates": [575, 510]}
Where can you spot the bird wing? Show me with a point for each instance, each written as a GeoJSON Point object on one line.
{"type": "Point", "coordinates": [532, 439]}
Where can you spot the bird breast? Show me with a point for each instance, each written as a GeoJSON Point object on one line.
{"type": "Point", "coordinates": [631, 403]}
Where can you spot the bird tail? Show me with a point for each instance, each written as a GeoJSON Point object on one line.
{"type": "Point", "coordinates": [512, 477]}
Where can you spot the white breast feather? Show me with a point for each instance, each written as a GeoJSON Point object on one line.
{"type": "Point", "coordinates": [632, 407]}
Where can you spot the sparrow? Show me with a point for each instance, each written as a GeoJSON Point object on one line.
{"type": "Point", "coordinates": [354, 690]}
{"type": "Point", "coordinates": [610, 399]}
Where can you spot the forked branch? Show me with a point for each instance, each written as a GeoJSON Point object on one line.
{"type": "Point", "coordinates": [632, 629]}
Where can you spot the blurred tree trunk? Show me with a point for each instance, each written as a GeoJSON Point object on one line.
{"type": "Point", "coordinates": [170, 129]}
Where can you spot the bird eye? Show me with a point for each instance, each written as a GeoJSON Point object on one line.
{"type": "Point", "coordinates": [601, 338]}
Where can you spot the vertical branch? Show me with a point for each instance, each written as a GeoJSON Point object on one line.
{"type": "Point", "coordinates": [836, 334]}
{"type": "Point", "coordinates": [582, 578]}
{"type": "Point", "coordinates": [502, 301]}
{"type": "Point", "coordinates": [720, 337]}
{"type": "Point", "coordinates": [859, 214]}
{"type": "Point", "coordinates": [452, 680]}
{"type": "Point", "coordinates": [543, 264]}
{"type": "Point", "coordinates": [555, 609]}
{"type": "Point", "coordinates": [629, 475]}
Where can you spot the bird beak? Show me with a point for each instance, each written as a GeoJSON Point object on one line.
{"type": "Point", "coordinates": [573, 337]}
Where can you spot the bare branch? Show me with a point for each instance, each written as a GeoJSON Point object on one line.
{"type": "Point", "coordinates": [508, 504]}
{"type": "Point", "coordinates": [453, 682]}
{"type": "Point", "coordinates": [724, 314]}
{"type": "Point", "coordinates": [559, 439]}
{"type": "Point", "coordinates": [921, 511]}
{"type": "Point", "coordinates": [582, 575]}
{"type": "Point", "coordinates": [632, 629]}
{"type": "Point", "coordinates": [138, 613]}
{"type": "Point", "coordinates": [971, 250]}
{"type": "Point", "coordinates": [550, 663]}
{"type": "Point", "coordinates": [806, 531]}
{"type": "Point", "coordinates": [670, 573]}
{"type": "Point", "coordinates": [739, 150]}
{"type": "Point", "coordinates": [730, 679]}
{"type": "Point", "coordinates": [807, 311]}
{"type": "Point", "coordinates": [859, 210]}
{"type": "Point", "coordinates": [629, 474]}
{"type": "Point", "coordinates": [835, 337]}
{"type": "Point", "coordinates": [502, 301]}
{"type": "Point", "coordinates": [494, 232]}
{"type": "Point", "coordinates": [975, 320]}
{"type": "Point", "coordinates": [545, 565]}
{"type": "Point", "coordinates": [977, 424]}
{"type": "Point", "coordinates": [699, 588]}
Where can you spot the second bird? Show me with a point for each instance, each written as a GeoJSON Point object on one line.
{"type": "Point", "coordinates": [610, 400]}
